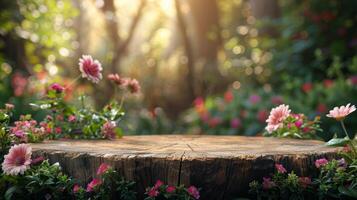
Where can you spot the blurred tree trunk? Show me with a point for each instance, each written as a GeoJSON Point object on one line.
{"type": "Point", "coordinates": [263, 10]}
{"type": "Point", "coordinates": [190, 78]}
{"type": "Point", "coordinates": [120, 45]}
{"type": "Point", "coordinates": [207, 42]}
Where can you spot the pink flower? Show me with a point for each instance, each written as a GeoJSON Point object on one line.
{"type": "Point", "coordinates": [158, 184]}
{"type": "Point", "coordinates": [153, 192]}
{"type": "Point", "coordinates": [199, 101]}
{"type": "Point", "coordinates": [280, 168]}
{"type": "Point", "coordinates": [20, 134]}
{"type": "Point", "coordinates": [228, 96]}
{"type": "Point", "coordinates": [267, 183]}
{"type": "Point", "coordinates": [103, 168]}
{"type": "Point", "coordinates": [76, 188]}
{"type": "Point", "coordinates": [339, 113]}
{"type": "Point", "coordinates": [236, 123]}
{"type": "Point", "coordinates": [72, 118]}
{"type": "Point", "coordinates": [305, 181]}
{"type": "Point", "coordinates": [276, 117]}
{"type": "Point", "coordinates": [170, 189]}
{"type": "Point", "coordinates": [133, 86]}
{"type": "Point", "coordinates": [108, 130]}
{"type": "Point", "coordinates": [90, 69]}
{"type": "Point", "coordinates": [193, 191]}
{"type": "Point", "coordinates": [57, 87]}
{"type": "Point", "coordinates": [254, 99]}
{"type": "Point", "coordinates": [18, 160]}
{"type": "Point", "coordinates": [115, 78]}
{"type": "Point", "coordinates": [321, 162]}
{"type": "Point", "coordinates": [94, 183]}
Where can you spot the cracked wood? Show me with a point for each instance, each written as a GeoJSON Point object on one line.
{"type": "Point", "coordinates": [222, 166]}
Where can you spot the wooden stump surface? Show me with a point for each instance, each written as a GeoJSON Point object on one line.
{"type": "Point", "coordinates": [222, 166]}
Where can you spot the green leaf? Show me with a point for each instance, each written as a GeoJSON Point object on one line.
{"type": "Point", "coordinates": [348, 192]}
{"type": "Point", "coordinates": [119, 132]}
{"type": "Point", "coordinates": [338, 142]}
{"type": "Point", "coordinates": [10, 192]}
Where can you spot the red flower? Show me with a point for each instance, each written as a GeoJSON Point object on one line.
{"type": "Point", "coordinates": [328, 83]}
{"type": "Point", "coordinates": [215, 121]}
{"type": "Point", "coordinates": [58, 130]}
{"type": "Point", "coordinates": [307, 87]}
{"type": "Point", "coordinates": [321, 108]}
{"type": "Point", "coordinates": [280, 168]}
{"type": "Point", "coordinates": [353, 80]}
{"type": "Point", "coordinates": [193, 191]}
{"type": "Point", "coordinates": [103, 168]}
{"type": "Point", "coordinates": [93, 184]}
{"type": "Point", "coordinates": [228, 96]}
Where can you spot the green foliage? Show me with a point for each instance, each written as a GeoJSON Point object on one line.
{"type": "Point", "coordinates": [42, 181]}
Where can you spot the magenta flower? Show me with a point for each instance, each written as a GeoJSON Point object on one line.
{"type": "Point", "coordinates": [103, 168]}
{"type": "Point", "coordinates": [254, 99]}
{"type": "Point", "coordinates": [339, 113]}
{"type": "Point", "coordinates": [170, 189]}
{"type": "Point", "coordinates": [57, 87]}
{"type": "Point", "coordinates": [153, 192]}
{"type": "Point", "coordinates": [276, 117]}
{"type": "Point", "coordinates": [108, 130]}
{"type": "Point", "coordinates": [321, 162]}
{"type": "Point", "coordinates": [93, 184]}
{"type": "Point", "coordinates": [90, 69]}
{"type": "Point", "coordinates": [267, 183]}
{"type": "Point", "coordinates": [193, 191]}
{"type": "Point", "coordinates": [18, 160]}
{"type": "Point", "coordinates": [133, 86]}
{"type": "Point", "coordinates": [298, 123]}
{"type": "Point", "coordinates": [280, 168]}
{"type": "Point", "coordinates": [158, 184]}
{"type": "Point", "coordinates": [236, 123]}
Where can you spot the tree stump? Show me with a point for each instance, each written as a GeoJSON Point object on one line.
{"type": "Point", "coordinates": [222, 166]}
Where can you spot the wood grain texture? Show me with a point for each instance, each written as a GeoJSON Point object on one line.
{"type": "Point", "coordinates": [222, 166]}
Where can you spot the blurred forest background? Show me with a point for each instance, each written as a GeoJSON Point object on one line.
{"type": "Point", "coordinates": [205, 66]}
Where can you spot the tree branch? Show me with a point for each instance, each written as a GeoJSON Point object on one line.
{"type": "Point", "coordinates": [123, 47]}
